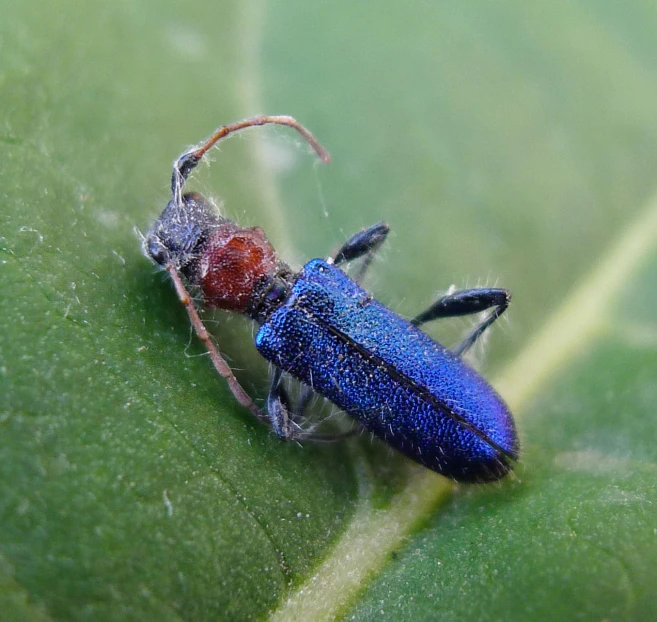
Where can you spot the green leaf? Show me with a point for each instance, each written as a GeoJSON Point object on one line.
{"type": "Point", "coordinates": [504, 142]}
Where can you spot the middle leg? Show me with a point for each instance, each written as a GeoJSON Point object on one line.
{"type": "Point", "coordinates": [363, 244]}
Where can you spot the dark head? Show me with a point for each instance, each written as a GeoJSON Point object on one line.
{"type": "Point", "coordinates": [235, 268]}
{"type": "Point", "coordinates": [179, 235]}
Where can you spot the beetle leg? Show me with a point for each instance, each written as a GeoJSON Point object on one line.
{"type": "Point", "coordinates": [305, 395]}
{"type": "Point", "coordinates": [277, 390]}
{"type": "Point", "coordinates": [467, 302]}
{"type": "Point", "coordinates": [279, 408]}
{"type": "Point", "coordinates": [278, 402]}
{"type": "Point", "coordinates": [363, 244]}
{"type": "Point", "coordinates": [286, 421]}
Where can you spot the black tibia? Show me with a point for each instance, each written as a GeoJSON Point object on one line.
{"type": "Point", "coordinates": [364, 244]}
{"type": "Point", "coordinates": [287, 420]}
{"type": "Point", "coordinates": [279, 407]}
{"type": "Point", "coordinates": [467, 302]}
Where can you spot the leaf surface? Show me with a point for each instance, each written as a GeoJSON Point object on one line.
{"type": "Point", "coordinates": [505, 142]}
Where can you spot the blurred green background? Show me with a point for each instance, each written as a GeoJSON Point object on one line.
{"type": "Point", "coordinates": [506, 143]}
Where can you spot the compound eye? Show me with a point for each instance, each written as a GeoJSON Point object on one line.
{"type": "Point", "coordinates": [156, 250]}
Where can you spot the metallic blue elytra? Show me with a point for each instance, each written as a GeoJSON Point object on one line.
{"type": "Point", "coordinates": [399, 383]}
{"type": "Point", "coordinates": [320, 327]}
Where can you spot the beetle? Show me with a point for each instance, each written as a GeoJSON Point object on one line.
{"type": "Point", "coordinates": [319, 326]}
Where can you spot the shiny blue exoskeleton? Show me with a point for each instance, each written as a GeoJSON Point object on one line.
{"type": "Point", "coordinates": [398, 382]}
{"type": "Point", "coordinates": [319, 326]}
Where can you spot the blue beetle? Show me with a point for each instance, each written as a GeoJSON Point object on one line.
{"type": "Point", "coordinates": [319, 326]}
